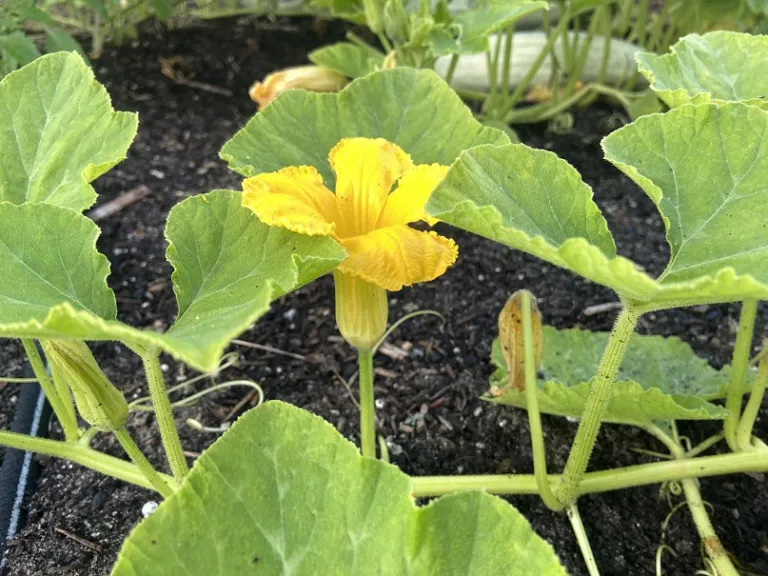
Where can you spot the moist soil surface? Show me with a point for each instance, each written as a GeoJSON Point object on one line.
{"type": "Point", "coordinates": [429, 406]}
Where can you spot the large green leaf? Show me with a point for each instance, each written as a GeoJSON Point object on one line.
{"type": "Point", "coordinates": [283, 492]}
{"type": "Point", "coordinates": [719, 66]}
{"type": "Point", "coordinates": [48, 257]}
{"type": "Point", "coordinates": [659, 379]}
{"type": "Point", "coordinates": [473, 26]}
{"type": "Point", "coordinates": [412, 108]}
{"type": "Point", "coordinates": [704, 167]}
{"type": "Point", "coordinates": [533, 201]}
{"type": "Point", "coordinates": [228, 267]}
{"type": "Point", "coordinates": [348, 59]}
{"type": "Point", "coordinates": [58, 132]}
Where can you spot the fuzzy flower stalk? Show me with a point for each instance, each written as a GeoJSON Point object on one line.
{"type": "Point", "coordinates": [379, 192]}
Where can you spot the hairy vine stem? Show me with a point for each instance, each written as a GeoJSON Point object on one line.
{"type": "Point", "coordinates": [599, 395]}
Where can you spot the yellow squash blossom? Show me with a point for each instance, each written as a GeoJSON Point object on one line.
{"type": "Point", "coordinates": [368, 218]}
{"type": "Point", "coordinates": [312, 78]}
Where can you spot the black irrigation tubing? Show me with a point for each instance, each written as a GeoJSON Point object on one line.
{"type": "Point", "coordinates": [19, 471]}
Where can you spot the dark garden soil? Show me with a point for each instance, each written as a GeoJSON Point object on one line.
{"type": "Point", "coordinates": [430, 411]}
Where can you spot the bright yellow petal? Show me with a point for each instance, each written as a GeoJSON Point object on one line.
{"type": "Point", "coordinates": [406, 204]}
{"type": "Point", "coordinates": [292, 198]}
{"type": "Point", "coordinates": [398, 256]}
{"type": "Point", "coordinates": [366, 169]}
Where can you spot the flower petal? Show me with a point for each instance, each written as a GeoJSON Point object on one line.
{"type": "Point", "coordinates": [314, 78]}
{"type": "Point", "coordinates": [406, 203]}
{"type": "Point", "coordinates": [292, 198]}
{"type": "Point", "coordinates": [398, 256]}
{"type": "Point", "coordinates": [366, 169]}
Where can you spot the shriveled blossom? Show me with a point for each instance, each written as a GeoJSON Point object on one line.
{"type": "Point", "coordinates": [313, 78]}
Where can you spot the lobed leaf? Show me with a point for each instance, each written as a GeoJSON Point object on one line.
{"type": "Point", "coordinates": [705, 167]}
{"type": "Point", "coordinates": [533, 201]}
{"type": "Point", "coordinates": [474, 26]}
{"type": "Point", "coordinates": [348, 59]}
{"type": "Point", "coordinates": [302, 497]}
{"type": "Point", "coordinates": [58, 132]}
{"type": "Point", "coordinates": [659, 379]}
{"type": "Point", "coordinates": [48, 257]}
{"type": "Point", "coordinates": [719, 66]}
{"type": "Point", "coordinates": [228, 267]}
{"type": "Point", "coordinates": [413, 108]}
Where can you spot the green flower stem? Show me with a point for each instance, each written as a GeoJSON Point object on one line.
{"type": "Point", "coordinates": [367, 407]}
{"type": "Point", "coordinates": [741, 353]}
{"type": "Point", "coordinates": [574, 73]}
{"type": "Point", "coordinates": [384, 42]}
{"type": "Point", "coordinates": [581, 538]}
{"type": "Point", "coordinates": [534, 417]}
{"type": "Point", "coordinates": [602, 481]}
{"type": "Point", "coordinates": [451, 68]}
{"type": "Point", "coordinates": [747, 421]}
{"type": "Point", "coordinates": [164, 414]}
{"type": "Point", "coordinates": [509, 38]}
{"type": "Point", "coordinates": [520, 90]}
{"type": "Point", "coordinates": [79, 454]}
{"type": "Point", "coordinates": [138, 458]}
{"type": "Point", "coordinates": [599, 395]}
{"type": "Point", "coordinates": [638, 36]}
{"type": "Point", "coordinates": [546, 110]}
{"type": "Point", "coordinates": [67, 418]}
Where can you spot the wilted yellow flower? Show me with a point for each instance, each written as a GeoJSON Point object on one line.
{"type": "Point", "coordinates": [513, 343]}
{"type": "Point", "coordinates": [313, 78]}
{"type": "Point", "coordinates": [383, 252]}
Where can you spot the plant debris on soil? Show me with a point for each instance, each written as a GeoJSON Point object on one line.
{"type": "Point", "coordinates": [428, 381]}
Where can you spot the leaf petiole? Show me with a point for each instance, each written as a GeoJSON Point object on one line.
{"type": "Point", "coordinates": [164, 413]}
{"type": "Point", "coordinates": [741, 353]}
{"type": "Point", "coordinates": [599, 395]}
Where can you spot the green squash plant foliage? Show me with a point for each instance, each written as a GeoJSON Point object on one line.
{"type": "Point", "coordinates": [282, 492]}
{"type": "Point", "coordinates": [568, 52]}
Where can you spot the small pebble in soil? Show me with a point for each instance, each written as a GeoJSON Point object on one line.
{"type": "Point", "coordinates": [148, 508]}
{"type": "Point", "coordinates": [289, 315]}
{"type": "Point", "coordinates": [394, 449]}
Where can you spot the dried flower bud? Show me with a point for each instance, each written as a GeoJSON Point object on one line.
{"type": "Point", "coordinates": [511, 338]}
{"type": "Point", "coordinates": [313, 78]}
{"type": "Point", "coordinates": [99, 402]}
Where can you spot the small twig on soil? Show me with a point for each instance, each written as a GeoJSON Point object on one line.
{"type": "Point", "coordinates": [243, 401]}
{"type": "Point", "coordinates": [166, 69]}
{"type": "Point", "coordinates": [393, 351]}
{"type": "Point", "coordinates": [266, 348]}
{"type": "Point", "coordinates": [602, 308]}
{"type": "Point", "coordinates": [87, 543]}
{"type": "Point", "coordinates": [114, 206]}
